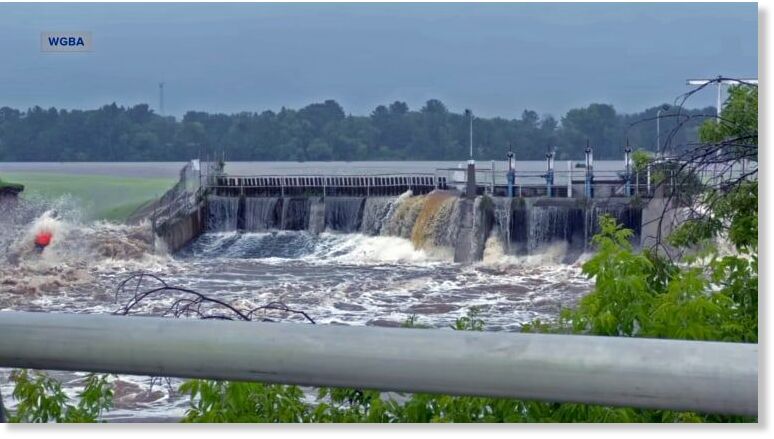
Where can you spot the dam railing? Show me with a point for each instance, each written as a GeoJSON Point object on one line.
{"type": "Point", "coordinates": [708, 377]}
{"type": "Point", "coordinates": [324, 185]}
{"type": "Point", "coordinates": [563, 184]}
{"type": "Point", "coordinates": [606, 184]}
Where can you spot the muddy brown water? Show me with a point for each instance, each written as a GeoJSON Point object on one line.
{"type": "Point", "coordinates": [336, 278]}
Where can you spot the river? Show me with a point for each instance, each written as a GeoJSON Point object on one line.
{"type": "Point", "coordinates": [336, 278]}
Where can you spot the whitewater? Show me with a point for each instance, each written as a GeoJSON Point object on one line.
{"type": "Point", "coordinates": [394, 264]}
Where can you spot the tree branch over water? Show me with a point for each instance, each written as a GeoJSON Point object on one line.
{"type": "Point", "coordinates": [150, 299]}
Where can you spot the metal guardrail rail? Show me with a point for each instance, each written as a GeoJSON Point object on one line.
{"type": "Point", "coordinates": [324, 185]}
{"type": "Point", "coordinates": [707, 377]}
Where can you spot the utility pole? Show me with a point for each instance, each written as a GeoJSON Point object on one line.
{"type": "Point", "coordinates": [161, 98]}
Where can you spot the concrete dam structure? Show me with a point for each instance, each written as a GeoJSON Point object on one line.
{"type": "Point", "coordinates": [440, 220]}
{"type": "Point", "coordinates": [434, 215]}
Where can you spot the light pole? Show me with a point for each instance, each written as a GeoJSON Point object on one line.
{"type": "Point", "coordinates": [658, 129]}
{"type": "Point", "coordinates": [720, 82]}
{"type": "Point", "coordinates": [471, 188]}
{"type": "Point", "coordinates": [469, 115]}
{"type": "Point", "coordinates": [589, 170]}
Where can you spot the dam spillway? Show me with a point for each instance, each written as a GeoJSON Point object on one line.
{"type": "Point", "coordinates": [438, 221]}
{"type": "Point", "coordinates": [429, 210]}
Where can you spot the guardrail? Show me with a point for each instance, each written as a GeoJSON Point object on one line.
{"type": "Point", "coordinates": [534, 183]}
{"type": "Point", "coordinates": [324, 185]}
{"type": "Point", "coordinates": [707, 377]}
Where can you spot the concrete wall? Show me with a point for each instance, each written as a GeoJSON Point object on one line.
{"type": "Point", "coordinates": [179, 232]}
{"type": "Point", "coordinates": [659, 219]}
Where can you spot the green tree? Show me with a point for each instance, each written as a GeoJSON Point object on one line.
{"type": "Point", "coordinates": [116, 133]}
{"type": "Point", "coordinates": [597, 123]}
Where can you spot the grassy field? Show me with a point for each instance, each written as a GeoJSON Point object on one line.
{"type": "Point", "coordinates": [101, 197]}
{"type": "Point", "coordinates": [8, 184]}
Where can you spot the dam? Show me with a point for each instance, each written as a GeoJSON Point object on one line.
{"type": "Point", "coordinates": [440, 219]}
{"type": "Point", "coordinates": [442, 211]}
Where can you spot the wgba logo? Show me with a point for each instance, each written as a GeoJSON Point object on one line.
{"type": "Point", "coordinates": [65, 41]}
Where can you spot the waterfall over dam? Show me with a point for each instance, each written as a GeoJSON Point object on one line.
{"type": "Point", "coordinates": [438, 221]}
{"type": "Point", "coordinates": [453, 215]}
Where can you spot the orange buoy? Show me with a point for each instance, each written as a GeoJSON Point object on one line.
{"type": "Point", "coordinates": [43, 239]}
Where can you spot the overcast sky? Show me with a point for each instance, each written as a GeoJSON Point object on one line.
{"type": "Point", "coordinates": [497, 59]}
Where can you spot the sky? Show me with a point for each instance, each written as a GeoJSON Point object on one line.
{"type": "Point", "coordinates": [497, 59]}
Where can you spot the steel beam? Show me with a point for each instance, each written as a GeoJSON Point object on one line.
{"type": "Point", "coordinates": [707, 377]}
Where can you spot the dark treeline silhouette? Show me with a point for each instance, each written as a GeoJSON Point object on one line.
{"type": "Point", "coordinates": [323, 131]}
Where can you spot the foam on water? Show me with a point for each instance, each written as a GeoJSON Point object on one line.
{"type": "Point", "coordinates": [363, 250]}
{"type": "Point", "coordinates": [325, 248]}
{"type": "Point", "coordinates": [78, 255]}
{"type": "Point", "coordinates": [552, 254]}
{"type": "Point", "coordinates": [379, 277]}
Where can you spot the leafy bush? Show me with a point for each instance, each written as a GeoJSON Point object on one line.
{"type": "Point", "coordinates": [641, 159]}
{"type": "Point", "coordinates": [221, 401]}
{"type": "Point", "coordinates": [41, 398]}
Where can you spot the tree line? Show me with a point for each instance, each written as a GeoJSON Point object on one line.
{"type": "Point", "coordinates": [323, 131]}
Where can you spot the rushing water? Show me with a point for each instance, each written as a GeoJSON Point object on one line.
{"type": "Point", "coordinates": [379, 267]}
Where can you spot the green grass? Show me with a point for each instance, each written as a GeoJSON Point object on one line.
{"type": "Point", "coordinates": [100, 196]}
